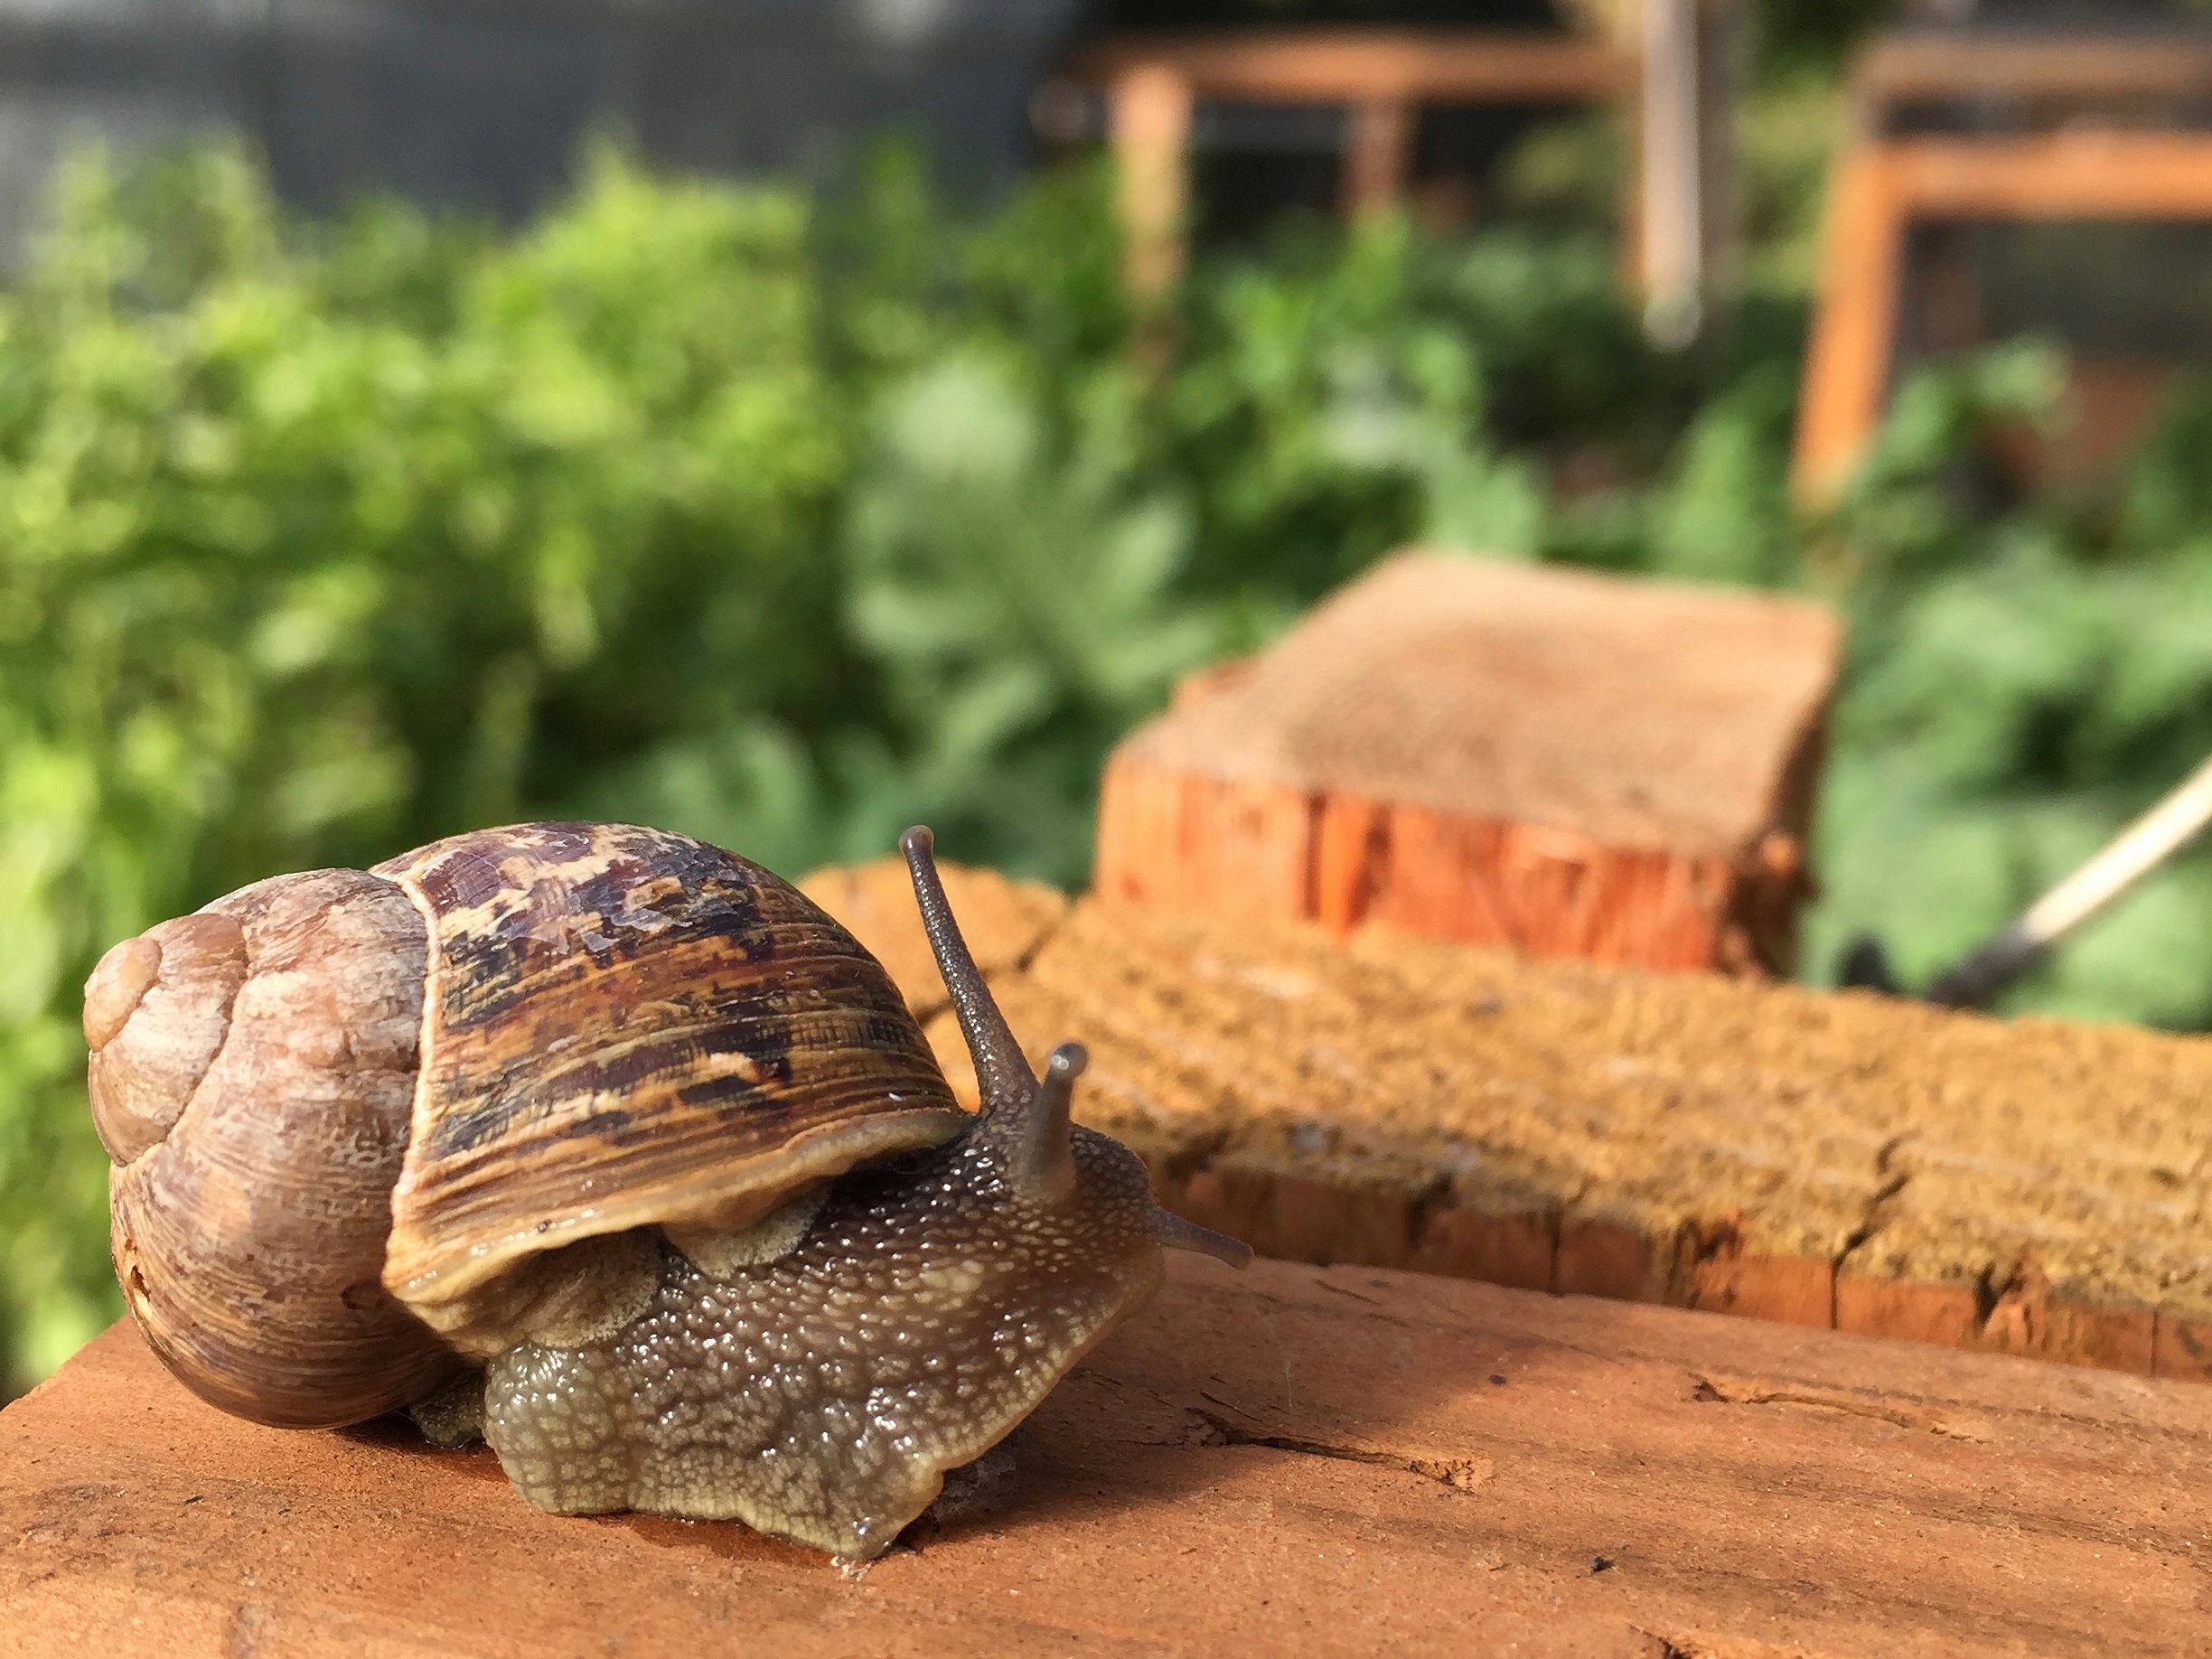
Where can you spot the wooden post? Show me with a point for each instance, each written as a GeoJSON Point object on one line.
{"type": "Point", "coordinates": [1690, 52]}
{"type": "Point", "coordinates": [1854, 325]}
{"type": "Point", "coordinates": [1377, 152]}
{"type": "Point", "coordinates": [1496, 753]}
{"type": "Point", "coordinates": [1149, 109]}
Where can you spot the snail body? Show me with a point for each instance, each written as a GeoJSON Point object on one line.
{"type": "Point", "coordinates": [612, 1143]}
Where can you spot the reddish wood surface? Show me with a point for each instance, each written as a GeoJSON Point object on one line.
{"type": "Point", "coordinates": [1295, 1461]}
{"type": "Point", "coordinates": [1571, 765]}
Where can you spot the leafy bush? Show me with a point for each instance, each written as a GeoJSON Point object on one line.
{"type": "Point", "coordinates": [787, 523]}
{"type": "Point", "coordinates": [2029, 671]}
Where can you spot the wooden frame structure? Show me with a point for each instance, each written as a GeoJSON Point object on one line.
{"type": "Point", "coordinates": [1883, 190]}
{"type": "Point", "coordinates": [1665, 62]}
{"type": "Point", "coordinates": [2037, 81]}
{"type": "Point", "coordinates": [2082, 153]}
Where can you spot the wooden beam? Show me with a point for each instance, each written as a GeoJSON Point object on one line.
{"type": "Point", "coordinates": [1855, 321]}
{"type": "Point", "coordinates": [2048, 74]}
{"type": "Point", "coordinates": [1880, 191]}
{"type": "Point", "coordinates": [1149, 109]}
{"type": "Point", "coordinates": [1815, 1158]}
{"type": "Point", "coordinates": [1329, 1462]}
{"type": "Point", "coordinates": [1351, 66]}
{"type": "Point", "coordinates": [2067, 175]}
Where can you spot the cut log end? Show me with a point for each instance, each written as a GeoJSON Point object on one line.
{"type": "Point", "coordinates": [1566, 763]}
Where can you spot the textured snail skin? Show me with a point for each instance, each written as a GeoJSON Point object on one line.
{"type": "Point", "coordinates": [821, 1396]}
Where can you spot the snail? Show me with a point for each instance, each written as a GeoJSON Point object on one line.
{"type": "Point", "coordinates": [610, 1145]}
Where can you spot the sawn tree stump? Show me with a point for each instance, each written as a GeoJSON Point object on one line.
{"type": "Point", "coordinates": [1571, 763]}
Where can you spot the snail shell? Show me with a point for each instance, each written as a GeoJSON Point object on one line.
{"type": "Point", "coordinates": [354, 1115]}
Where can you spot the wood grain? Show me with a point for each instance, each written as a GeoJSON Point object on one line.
{"type": "Point", "coordinates": [1326, 1462]}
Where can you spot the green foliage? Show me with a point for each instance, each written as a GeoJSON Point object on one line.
{"type": "Point", "coordinates": [787, 523]}
{"type": "Point", "coordinates": [2029, 672]}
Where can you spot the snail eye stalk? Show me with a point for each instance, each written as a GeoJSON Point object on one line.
{"type": "Point", "coordinates": [1003, 1075]}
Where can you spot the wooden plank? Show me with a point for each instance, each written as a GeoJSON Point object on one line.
{"type": "Point", "coordinates": [2052, 71]}
{"type": "Point", "coordinates": [2086, 174]}
{"type": "Point", "coordinates": [1339, 1462]}
{"type": "Point", "coordinates": [1350, 66]}
{"type": "Point", "coordinates": [2039, 1188]}
{"type": "Point", "coordinates": [1855, 321]}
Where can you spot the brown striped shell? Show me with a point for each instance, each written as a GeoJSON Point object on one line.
{"type": "Point", "coordinates": [624, 1028]}
{"type": "Point", "coordinates": [345, 1106]}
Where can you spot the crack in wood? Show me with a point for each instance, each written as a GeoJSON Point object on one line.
{"type": "Point", "coordinates": [1871, 1219]}
{"type": "Point", "coordinates": [1706, 1390]}
{"type": "Point", "coordinates": [1460, 1474]}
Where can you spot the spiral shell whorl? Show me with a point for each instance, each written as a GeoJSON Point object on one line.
{"type": "Point", "coordinates": [252, 1073]}
{"type": "Point", "coordinates": [155, 1012]}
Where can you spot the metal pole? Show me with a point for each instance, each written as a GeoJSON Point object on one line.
{"type": "Point", "coordinates": [2131, 854]}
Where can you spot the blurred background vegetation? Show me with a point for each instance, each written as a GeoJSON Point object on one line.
{"type": "Point", "coordinates": [787, 517]}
